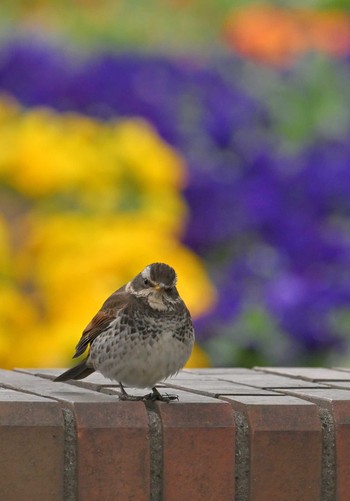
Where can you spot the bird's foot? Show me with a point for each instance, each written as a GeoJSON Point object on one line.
{"type": "Point", "coordinates": [126, 397]}
{"type": "Point", "coordinates": [155, 395]}
{"type": "Point", "coordinates": [130, 398]}
{"type": "Point", "coordinates": [150, 397]}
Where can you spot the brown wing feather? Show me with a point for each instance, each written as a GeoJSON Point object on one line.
{"type": "Point", "coordinates": [101, 320]}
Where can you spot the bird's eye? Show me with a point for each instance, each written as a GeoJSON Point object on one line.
{"type": "Point", "coordinates": [146, 282]}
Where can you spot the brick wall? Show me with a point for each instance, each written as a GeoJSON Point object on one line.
{"type": "Point", "coordinates": [264, 434]}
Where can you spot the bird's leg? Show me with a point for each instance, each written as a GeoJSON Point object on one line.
{"type": "Point", "coordinates": [123, 389]}
{"type": "Point", "coordinates": [155, 395]}
{"type": "Point", "coordinates": [126, 396]}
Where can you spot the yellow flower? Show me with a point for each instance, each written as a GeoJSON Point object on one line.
{"type": "Point", "coordinates": [18, 316]}
{"type": "Point", "coordinates": [68, 254]}
{"type": "Point", "coordinates": [90, 204]}
{"type": "Point", "coordinates": [5, 256]}
{"type": "Point", "coordinates": [136, 141]}
{"type": "Point", "coordinates": [198, 359]}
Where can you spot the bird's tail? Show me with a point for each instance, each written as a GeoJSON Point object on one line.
{"type": "Point", "coordinates": [80, 371]}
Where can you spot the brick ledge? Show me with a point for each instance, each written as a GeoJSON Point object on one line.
{"type": "Point", "coordinates": [269, 433]}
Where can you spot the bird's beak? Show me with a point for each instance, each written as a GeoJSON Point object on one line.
{"type": "Point", "coordinates": [159, 287]}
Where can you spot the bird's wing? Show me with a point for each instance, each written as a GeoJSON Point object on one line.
{"type": "Point", "coordinates": [109, 311]}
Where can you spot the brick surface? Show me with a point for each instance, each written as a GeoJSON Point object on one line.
{"type": "Point", "coordinates": [338, 384]}
{"type": "Point", "coordinates": [337, 402]}
{"type": "Point", "coordinates": [215, 388]}
{"type": "Point", "coordinates": [268, 381]}
{"type": "Point", "coordinates": [285, 442]}
{"type": "Point", "coordinates": [309, 373]}
{"type": "Point", "coordinates": [341, 415]}
{"type": "Point", "coordinates": [218, 370]}
{"type": "Point", "coordinates": [345, 369]}
{"type": "Point", "coordinates": [112, 438]}
{"type": "Point", "coordinates": [93, 382]}
{"type": "Point", "coordinates": [63, 392]}
{"type": "Point", "coordinates": [263, 434]}
{"type": "Point", "coordinates": [113, 451]}
{"type": "Point", "coordinates": [32, 447]}
{"type": "Point", "coordinates": [198, 449]}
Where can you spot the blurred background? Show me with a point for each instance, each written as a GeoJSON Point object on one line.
{"type": "Point", "coordinates": [213, 135]}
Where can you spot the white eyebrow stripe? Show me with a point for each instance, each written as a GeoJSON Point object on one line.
{"type": "Point", "coordinates": [146, 273]}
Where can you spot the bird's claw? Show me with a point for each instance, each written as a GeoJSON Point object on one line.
{"type": "Point", "coordinates": [150, 397]}
{"type": "Point", "coordinates": [130, 398]}
{"type": "Point", "coordinates": [156, 396]}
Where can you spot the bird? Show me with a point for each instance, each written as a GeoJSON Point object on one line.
{"type": "Point", "coordinates": [142, 335]}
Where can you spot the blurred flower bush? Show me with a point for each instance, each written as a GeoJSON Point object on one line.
{"type": "Point", "coordinates": [266, 193]}
{"type": "Point", "coordinates": [85, 205]}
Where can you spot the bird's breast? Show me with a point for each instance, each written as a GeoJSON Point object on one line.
{"type": "Point", "coordinates": [143, 354]}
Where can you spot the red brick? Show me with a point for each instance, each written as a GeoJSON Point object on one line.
{"type": "Point", "coordinates": [113, 451]}
{"type": "Point", "coordinates": [337, 401]}
{"type": "Point", "coordinates": [32, 447]}
{"type": "Point", "coordinates": [189, 445]}
{"type": "Point", "coordinates": [341, 415]}
{"type": "Point", "coordinates": [198, 449]}
{"type": "Point", "coordinates": [285, 447]}
{"type": "Point", "coordinates": [112, 438]}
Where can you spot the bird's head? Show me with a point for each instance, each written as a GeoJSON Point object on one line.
{"type": "Point", "coordinates": [157, 282]}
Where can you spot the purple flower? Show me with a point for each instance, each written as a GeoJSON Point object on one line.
{"type": "Point", "coordinates": [37, 74]}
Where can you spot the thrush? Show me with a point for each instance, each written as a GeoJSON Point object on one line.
{"type": "Point", "coordinates": [142, 335]}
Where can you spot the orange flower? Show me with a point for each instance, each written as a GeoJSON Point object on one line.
{"type": "Point", "coordinates": [279, 35]}
{"type": "Point", "coordinates": [330, 32]}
